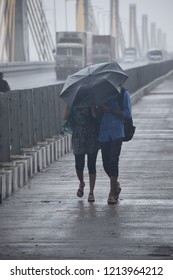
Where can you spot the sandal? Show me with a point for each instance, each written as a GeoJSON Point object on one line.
{"type": "Point", "coordinates": [117, 193]}
{"type": "Point", "coordinates": [91, 198]}
{"type": "Point", "coordinates": [112, 199]}
{"type": "Point", "coordinates": [80, 191]}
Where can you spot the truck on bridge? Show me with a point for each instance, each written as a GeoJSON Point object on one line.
{"type": "Point", "coordinates": [73, 52]}
{"type": "Point", "coordinates": [103, 48]}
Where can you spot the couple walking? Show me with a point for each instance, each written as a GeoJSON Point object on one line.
{"type": "Point", "coordinates": [88, 137]}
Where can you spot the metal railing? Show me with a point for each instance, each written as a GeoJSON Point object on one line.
{"type": "Point", "coordinates": [28, 117]}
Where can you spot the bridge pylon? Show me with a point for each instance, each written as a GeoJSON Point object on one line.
{"type": "Point", "coordinates": [145, 37]}
{"type": "Point", "coordinates": [18, 19]}
{"type": "Point", "coordinates": [7, 30]}
{"type": "Point", "coordinates": [114, 24]}
{"type": "Point", "coordinates": [85, 19]}
{"type": "Point", "coordinates": [153, 35]}
{"type": "Point", "coordinates": [133, 33]}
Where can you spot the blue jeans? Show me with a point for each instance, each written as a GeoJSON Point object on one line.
{"type": "Point", "coordinates": [110, 156]}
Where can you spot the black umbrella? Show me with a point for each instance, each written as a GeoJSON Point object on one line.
{"type": "Point", "coordinates": [93, 85]}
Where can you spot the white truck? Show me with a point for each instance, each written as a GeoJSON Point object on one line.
{"type": "Point", "coordinates": [103, 48]}
{"type": "Point", "coordinates": [73, 52]}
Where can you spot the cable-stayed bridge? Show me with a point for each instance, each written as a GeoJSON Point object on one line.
{"type": "Point", "coordinates": [21, 20]}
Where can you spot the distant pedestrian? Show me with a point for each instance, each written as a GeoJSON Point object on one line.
{"type": "Point", "coordinates": [4, 86]}
{"type": "Point", "coordinates": [111, 133]}
{"type": "Point", "coordinates": [84, 142]}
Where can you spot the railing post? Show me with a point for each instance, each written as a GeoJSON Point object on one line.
{"type": "Point", "coordinates": [53, 110]}
{"type": "Point", "coordinates": [24, 119]}
{"type": "Point", "coordinates": [15, 140]}
{"type": "Point", "coordinates": [38, 115]}
{"type": "Point", "coordinates": [4, 129]}
{"type": "Point", "coordinates": [44, 95]}
{"type": "Point", "coordinates": [31, 117]}
{"type": "Point", "coordinates": [60, 107]}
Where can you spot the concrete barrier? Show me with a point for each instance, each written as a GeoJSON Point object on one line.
{"type": "Point", "coordinates": [3, 185]}
{"type": "Point", "coordinates": [16, 174]}
{"type": "Point", "coordinates": [136, 96]}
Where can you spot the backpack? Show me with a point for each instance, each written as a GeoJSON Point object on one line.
{"type": "Point", "coordinates": [129, 128]}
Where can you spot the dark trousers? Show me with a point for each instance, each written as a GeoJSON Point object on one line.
{"type": "Point", "coordinates": [91, 162]}
{"type": "Point", "coordinates": [110, 157]}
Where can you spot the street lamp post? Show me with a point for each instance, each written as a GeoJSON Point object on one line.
{"type": "Point", "coordinates": [104, 21]}
{"type": "Point", "coordinates": [98, 19]}
{"type": "Point", "coordinates": [66, 20]}
{"type": "Point", "coordinates": [66, 27]}
{"type": "Point", "coordinates": [54, 4]}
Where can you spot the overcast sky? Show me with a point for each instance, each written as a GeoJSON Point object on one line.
{"type": "Point", "coordinates": [158, 11]}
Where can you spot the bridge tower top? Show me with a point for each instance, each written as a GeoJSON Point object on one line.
{"type": "Point", "coordinates": [145, 37]}
{"type": "Point", "coordinates": [18, 19]}
{"type": "Point", "coordinates": [133, 33]}
{"type": "Point", "coordinates": [85, 19]}
{"type": "Point", "coordinates": [114, 24]}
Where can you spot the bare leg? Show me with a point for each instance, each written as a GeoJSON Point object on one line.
{"type": "Point", "coordinates": [79, 164]}
{"type": "Point", "coordinates": [80, 176]}
{"type": "Point", "coordinates": [80, 191]}
{"type": "Point", "coordinates": [113, 185]}
{"type": "Point", "coordinates": [92, 175]}
{"type": "Point", "coordinates": [114, 190]}
{"type": "Point", "coordinates": [92, 179]}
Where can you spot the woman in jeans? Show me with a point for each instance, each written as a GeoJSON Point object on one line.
{"type": "Point", "coordinates": [84, 142]}
{"type": "Point", "coordinates": [111, 133]}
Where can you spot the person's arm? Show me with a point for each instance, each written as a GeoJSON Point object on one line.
{"type": "Point", "coordinates": [117, 113]}
{"type": "Point", "coordinates": [66, 112]}
{"type": "Point", "coordinates": [94, 111]}
{"type": "Point", "coordinates": [113, 111]}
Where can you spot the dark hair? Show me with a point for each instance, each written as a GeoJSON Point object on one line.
{"type": "Point", "coordinates": [1, 74]}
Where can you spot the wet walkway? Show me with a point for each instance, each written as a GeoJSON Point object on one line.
{"type": "Point", "coordinates": [46, 220]}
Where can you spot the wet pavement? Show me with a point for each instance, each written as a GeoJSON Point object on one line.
{"type": "Point", "coordinates": [46, 220]}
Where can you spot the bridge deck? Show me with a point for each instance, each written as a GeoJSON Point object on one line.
{"type": "Point", "coordinates": [46, 220]}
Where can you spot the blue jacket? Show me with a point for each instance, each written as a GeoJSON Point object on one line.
{"type": "Point", "coordinates": [111, 126]}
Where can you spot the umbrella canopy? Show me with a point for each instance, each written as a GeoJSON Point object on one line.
{"type": "Point", "coordinates": [93, 85]}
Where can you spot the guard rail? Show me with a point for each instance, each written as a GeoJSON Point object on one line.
{"type": "Point", "coordinates": [26, 66]}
